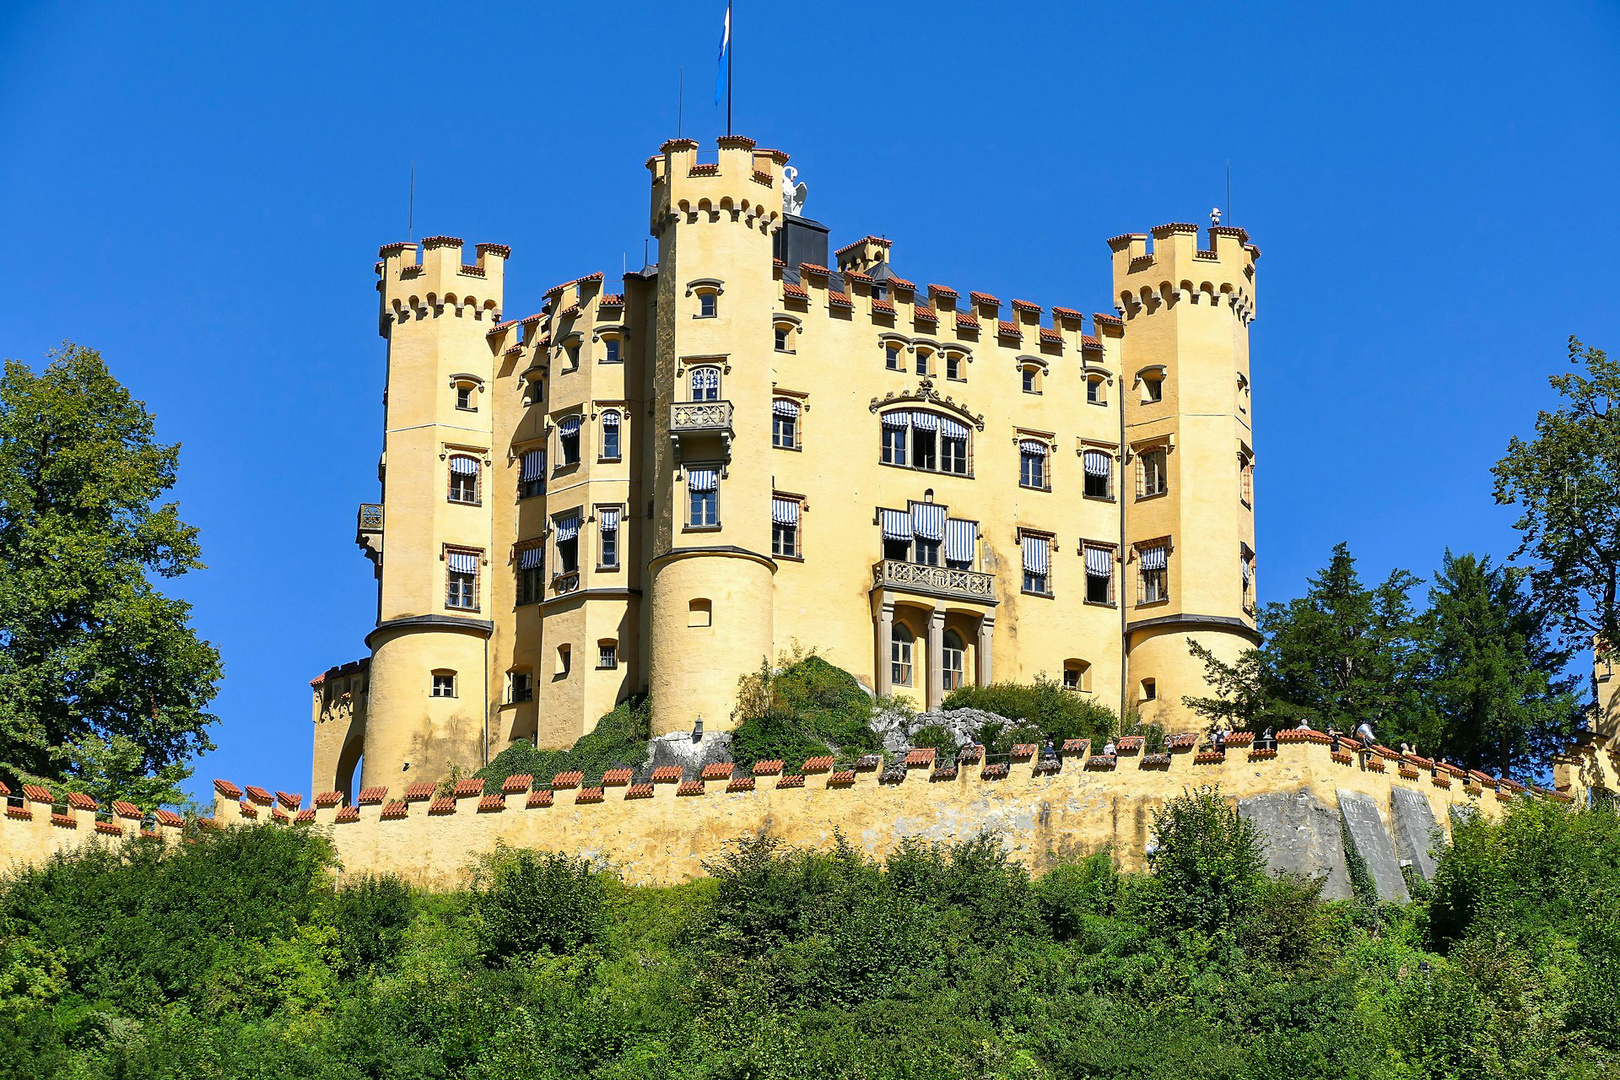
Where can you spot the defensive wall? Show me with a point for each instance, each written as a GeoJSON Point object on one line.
{"type": "Point", "coordinates": [1305, 795]}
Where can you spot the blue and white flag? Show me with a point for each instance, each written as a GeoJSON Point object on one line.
{"type": "Point", "coordinates": [725, 55]}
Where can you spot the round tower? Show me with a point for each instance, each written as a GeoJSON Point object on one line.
{"type": "Point", "coordinates": [429, 693]}
{"type": "Point", "coordinates": [711, 568]}
{"type": "Point", "coordinates": [1188, 543]}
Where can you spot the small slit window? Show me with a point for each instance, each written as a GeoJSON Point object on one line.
{"type": "Point", "coordinates": [444, 684]}
{"type": "Point", "coordinates": [700, 613]}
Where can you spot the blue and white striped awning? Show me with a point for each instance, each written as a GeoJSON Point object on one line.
{"type": "Point", "coordinates": [1098, 463]}
{"type": "Point", "coordinates": [785, 511]}
{"type": "Point", "coordinates": [928, 521]}
{"type": "Point", "coordinates": [462, 465]}
{"type": "Point", "coordinates": [924, 421]}
{"type": "Point", "coordinates": [610, 418]}
{"type": "Point", "coordinates": [1037, 554]}
{"type": "Point", "coordinates": [1099, 561]}
{"type": "Point", "coordinates": [702, 481]}
{"type": "Point", "coordinates": [896, 524]}
{"type": "Point", "coordinates": [534, 465]}
{"type": "Point", "coordinates": [782, 407]}
{"type": "Point", "coordinates": [608, 518]}
{"type": "Point", "coordinates": [532, 558]}
{"type": "Point", "coordinates": [462, 562]}
{"type": "Point", "coordinates": [1154, 558]}
{"type": "Point", "coordinates": [950, 429]}
{"type": "Point", "coordinates": [568, 527]}
{"type": "Point", "coordinates": [568, 426]}
{"type": "Point", "coordinates": [899, 418]}
{"type": "Point", "coordinates": [1031, 446]}
{"type": "Point", "coordinates": [959, 539]}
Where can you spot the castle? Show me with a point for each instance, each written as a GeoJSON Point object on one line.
{"type": "Point", "coordinates": [748, 443]}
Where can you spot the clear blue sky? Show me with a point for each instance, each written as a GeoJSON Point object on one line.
{"type": "Point", "coordinates": [199, 190]}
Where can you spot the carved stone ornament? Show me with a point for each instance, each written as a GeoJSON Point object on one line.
{"type": "Point", "coordinates": [926, 394]}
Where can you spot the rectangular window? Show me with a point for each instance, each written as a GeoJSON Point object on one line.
{"type": "Point", "coordinates": [922, 446]}
{"type": "Point", "coordinates": [461, 573]}
{"type": "Point", "coordinates": [953, 366]}
{"type": "Point", "coordinates": [566, 538]}
{"type": "Point", "coordinates": [891, 358]}
{"type": "Point", "coordinates": [519, 686]}
{"type": "Point", "coordinates": [444, 684]}
{"type": "Point", "coordinates": [464, 476]}
{"type": "Point", "coordinates": [785, 527]}
{"type": "Point", "coordinates": [1037, 551]}
{"type": "Point", "coordinates": [1098, 466]}
{"type": "Point", "coordinates": [703, 498]}
{"type": "Point", "coordinates": [568, 441]}
{"type": "Point", "coordinates": [464, 399]}
{"type": "Point", "coordinates": [1152, 389]}
{"type": "Point", "coordinates": [610, 435]}
{"type": "Point", "coordinates": [894, 446]}
{"type": "Point", "coordinates": [782, 339]}
{"type": "Point", "coordinates": [1152, 473]}
{"type": "Point", "coordinates": [785, 424]}
{"type": "Point", "coordinates": [1246, 479]}
{"type": "Point", "coordinates": [1154, 580]}
{"type": "Point", "coordinates": [897, 550]}
{"type": "Point", "coordinates": [1099, 574]}
{"type": "Point", "coordinates": [1032, 464]}
{"type": "Point", "coordinates": [531, 584]}
{"type": "Point", "coordinates": [607, 545]}
{"type": "Point", "coordinates": [613, 355]}
{"type": "Point", "coordinates": [532, 474]}
{"type": "Point", "coordinates": [607, 655]}
{"type": "Point", "coordinates": [928, 552]}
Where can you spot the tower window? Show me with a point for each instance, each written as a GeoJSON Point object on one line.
{"type": "Point", "coordinates": [784, 335]}
{"type": "Point", "coordinates": [461, 574]}
{"type": "Point", "coordinates": [1153, 583]}
{"type": "Point", "coordinates": [705, 384]}
{"type": "Point", "coordinates": [1037, 552]}
{"type": "Point", "coordinates": [565, 661]}
{"type": "Point", "coordinates": [924, 443]}
{"type": "Point", "coordinates": [700, 613]}
{"type": "Point", "coordinates": [1096, 390]}
{"type": "Point", "coordinates": [568, 441]}
{"type": "Point", "coordinates": [891, 357]}
{"type": "Point", "coordinates": [708, 304]}
{"type": "Point", "coordinates": [1098, 466]}
{"type": "Point", "coordinates": [566, 538]}
{"type": "Point", "coordinates": [1099, 574]}
{"type": "Point", "coordinates": [1246, 479]}
{"type": "Point", "coordinates": [924, 361]}
{"type": "Point", "coordinates": [519, 686]}
{"type": "Point", "coordinates": [1032, 465]}
{"type": "Point", "coordinates": [1152, 473]}
{"type": "Point", "coordinates": [532, 474]}
{"type": "Point", "coordinates": [703, 498]}
{"type": "Point", "coordinates": [464, 399]}
{"type": "Point", "coordinates": [955, 366]}
{"type": "Point", "coordinates": [1077, 675]}
{"type": "Point", "coordinates": [607, 552]}
{"type": "Point", "coordinates": [444, 684]}
{"type": "Point", "coordinates": [610, 435]}
{"type": "Point", "coordinates": [463, 479]}
{"type": "Point", "coordinates": [607, 654]}
{"type": "Point", "coordinates": [571, 351]}
{"type": "Point", "coordinates": [894, 441]}
{"type": "Point", "coordinates": [900, 644]}
{"type": "Point", "coordinates": [1152, 382]}
{"type": "Point", "coordinates": [1150, 690]}
{"type": "Point", "coordinates": [531, 587]}
{"type": "Point", "coordinates": [1030, 378]}
{"type": "Point", "coordinates": [613, 351]}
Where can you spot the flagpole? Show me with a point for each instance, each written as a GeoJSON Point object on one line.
{"type": "Point", "coordinates": [729, 52]}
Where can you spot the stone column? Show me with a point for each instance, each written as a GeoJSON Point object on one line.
{"type": "Point", "coordinates": [984, 654]}
{"type": "Point", "coordinates": [936, 658]}
{"type": "Point", "coordinates": [881, 674]}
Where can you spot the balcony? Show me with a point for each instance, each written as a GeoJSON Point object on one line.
{"type": "Point", "coordinates": [696, 420]}
{"type": "Point", "coordinates": [368, 531]}
{"type": "Point", "coordinates": [940, 581]}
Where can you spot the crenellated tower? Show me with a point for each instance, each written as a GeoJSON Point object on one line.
{"type": "Point", "coordinates": [431, 534]}
{"type": "Point", "coordinates": [1188, 543]}
{"type": "Point", "coordinates": [710, 548]}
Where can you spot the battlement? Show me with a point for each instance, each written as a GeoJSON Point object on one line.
{"type": "Point", "coordinates": [1166, 266]}
{"type": "Point", "coordinates": [440, 283]}
{"type": "Point", "coordinates": [744, 184]}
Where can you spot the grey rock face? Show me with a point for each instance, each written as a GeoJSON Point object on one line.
{"type": "Point", "coordinates": [1416, 832]}
{"type": "Point", "coordinates": [1301, 836]}
{"type": "Point", "coordinates": [895, 728]}
{"type": "Point", "coordinates": [677, 748]}
{"type": "Point", "coordinates": [1372, 841]}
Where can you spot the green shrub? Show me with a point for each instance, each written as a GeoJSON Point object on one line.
{"type": "Point", "coordinates": [525, 903]}
{"type": "Point", "coordinates": [1039, 710]}
{"type": "Point", "coordinates": [618, 740]}
{"type": "Point", "coordinates": [370, 916]}
{"type": "Point", "coordinates": [1072, 894]}
{"type": "Point", "coordinates": [807, 708]}
{"type": "Point", "coordinates": [1210, 867]}
{"type": "Point", "coordinates": [776, 735]}
{"type": "Point", "coordinates": [937, 736]}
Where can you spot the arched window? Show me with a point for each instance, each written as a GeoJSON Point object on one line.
{"type": "Point", "coordinates": [955, 660]}
{"type": "Point", "coordinates": [1097, 389]}
{"type": "Point", "coordinates": [785, 424]}
{"type": "Point", "coordinates": [955, 365]}
{"type": "Point", "coordinates": [900, 655]}
{"type": "Point", "coordinates": [464, 479]}
{"type": "Point", "coordinates": [925, 359]}
{"type": "Point", "coordinates": [610, 435]}
{"type": "Point", "coordinates": [705, 384]}
{"type": "Point", "coordinates": [1077, 675]}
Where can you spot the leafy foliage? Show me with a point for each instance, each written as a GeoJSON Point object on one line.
{"type": "Point", "coordinates": [237, 957]}
{"type": "Point", "coordinates": [619, 740]}
{"type": "Point", "coordinates": [805, 708]}
{"type": "Point", "coordinates": [1041, 709]}
{"type": "Point", "coordinates": [104, 683]}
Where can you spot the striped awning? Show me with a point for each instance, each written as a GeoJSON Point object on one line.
{"type": "Point", "coordinates": [1099, 561]}
{"type": "Point", "coordinates": [959, 538]}
{"type": "Point", "coordinates": [785, 408]}
{"type": "Point", "coordinates": [608, 518]}
{"type": "Point", "coordinates": [1097, 462]}
{"type": "Point", "coordinates": [610, 418]}
{"type": "Point", "coordinates": [924, 421]}
{"type": "Point", "coordinates": [950, 429]}
{"type": "Point", "coordinates": [1031, 446]}
{"type": "Point", "coordinates": [702, 480]}
{"type": "Point", "coordinates": [1037, 554]}
{"type": "Point", "coordinates": [464, 466]}
{"type": "Point", "coordinates": [928, 521]}
{"type": "Point", "coordinates": [568, 527]}
{"type": "Point", "coordinates": [534, 465]}
{"type": "Point", "coordinates": [532, 558]}
{"type": "Point", "coordinates": [1154, 558]}
{"type": "Point", "coordinates": [785, 511]}
{"type": "Point", "coordinates": [897, 419]}
{"type": "Point", "coordinates": [462, 562]}
{"type": "Point", "coordinates": [568, 426]}
{"type": "Point", "coordinates": [896, 524]}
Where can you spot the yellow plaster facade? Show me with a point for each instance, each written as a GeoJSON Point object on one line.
{"type": "Point", "coordinates": [758, 441]}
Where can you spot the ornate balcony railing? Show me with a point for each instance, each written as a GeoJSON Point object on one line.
{"type": "Point", "coordinates": [370, 517]}
{"type": "Point", "coordinates": [700, 418]}
{"type": "Point", "coordinates": [939, 581]}
{"type": "Point", "coordinates": [368, 532]}
{"type": "Point", "coordinates": [565, 583]}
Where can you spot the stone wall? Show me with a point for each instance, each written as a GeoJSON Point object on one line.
{"type": "Point", "coordinates": [661, 829]}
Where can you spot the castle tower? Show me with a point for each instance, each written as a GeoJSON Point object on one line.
{"type": "Point", "coordinates": [1187, 437]}
{"type": "Point", "coordinates": [710, 540]}
{"type": "Point", "coordinates": [429, 693]}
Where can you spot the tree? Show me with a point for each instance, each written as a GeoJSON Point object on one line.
{"type": "Point", "coordinates": [1566, 481]}
{"type": "Point", "coordinates": [1495, 696]}
{"type": "Point", "coordinates": [103, 681]}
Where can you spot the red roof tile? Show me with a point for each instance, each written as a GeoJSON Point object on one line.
{"type": "Point", "coordinates": [80, 801]}
{"type": "Point", "coordinates": [290, 801]}
{"type": "Point", "coordinates": [797, 292]}
{"type": "Point", "coordinates": [107, 828]}
{"type": "Point", "coordinates": [1089, 342]}
{"type": "Point", "coordinates": [617, 777]}
{"type": "Point", "coordinates": [588, 795]}
{"type": "Point", "coordinates": [328, 798]}
{"type": "Point", "coordinates": [838, 299]}
{"type": "Point", "coordinates": [36, 793]}
{"type": "Point", "coordinates": [395, 810]}
{"type": "Point", "coordinates": [817, 764]}
{"type": "Point", "coordinates": [611, 300]}
{"type": "Point", "coordinates": [65, 821]}
{"type": "Point", "coordinates": [1048, 334]}
{"type": "Point", "coordinates": [469, 787]}
{"type": "Point", "coordinates": [813, 269]}
{"type": "Point", "coordinates": [303, 817]}
{"type": "Point", "coordinates": [495, 249]}
{"type": "Point", "coordinates": [842, 776]}
{"type": "Point", "coordinates": [491, 803]}
{"type": "Point", "coordinates": [941, 290]}
{"type": "Point", "coordinates": [740, 783]}
{"type": "Point", "coordinates": [920, 756]}
{"type": "Point", "coordinates": [718, 770]}
{"type": "Point", "coordinates": [1174, 227]}
{"type": "Point", "coordinates": [1027, 307]}
{"type": "Point", "coordinates": [1075, 746]}
{"type": "Point", "coordinates": [567, 779]}
{"type": "Point", "coordinates": [925, 314]}
{"type": "Point", "coordinates": [227, 789]}
{"type": "Point", "coordinates": [856, 275]}
{"type": "Point", "coordinates": [864, 240]}
{"type": "Point", "coordinates": [996, 771]}
{"type": "Point", "coordinates": [964, 321]}
{"type": "Point", "coordinates": [1023, 751]}
{"type": "Point", "coordinates": [984, 298]}
{"type": "Point", "coordinates": [538, 800]}
{"type": "Point", "coordinates": [796, 781]}
{"type": "Point", "coordinates": [258, 795]}
{"type": "Point", "coordinates": [417, 792]}
{"type": "Point", "coordinates": [517, 782]}
{"type": "Point", "coordinates": [901, 284]}
{"type": "Point", "coordinates": [371, 796]}
{"type": "Point", "coordinates": [126, 809]}
{"type": "Point", "coordinates": [19, 813]}
{"type": "Point", "coordinates": [639, 791]}
{"type": "Point", "coordinates": [666, 774]}
{"type": "Point", "coordinates": [168, 817]}
{"type": "Point", "coordinates": [1007, 329]}
{"type": "Point", "coordinates": [690, 787]}
{"type": "Point", "coordinates": [1107, 320]}
{"type": "Point", "coordinates": [768, 768]}
{"type": "Point", "coordinates": [1066, 313]}
{"type": "Point", "coordinates": [445, 804]}
{"type": "Point", "coordinates": [431, 242]}
{"type": "Point", "coordinates": [882, 307]}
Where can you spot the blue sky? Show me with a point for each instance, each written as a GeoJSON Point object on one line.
{"type": "Point", "coordinates": [199, 190]}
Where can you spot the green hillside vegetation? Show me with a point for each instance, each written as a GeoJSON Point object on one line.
{"type": "Point", "coordinates": [619, 740]}
{"type": "Point", "coordinates": [235, 957]}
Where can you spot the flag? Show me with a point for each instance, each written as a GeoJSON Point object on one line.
{"type": "Point", "coordinates": [725, 55]}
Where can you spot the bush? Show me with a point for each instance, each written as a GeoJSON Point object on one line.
{"type": "Point", "coordinates": [370, 916]}
{"type": "Point", "coordinates": [1042, 709]}
{"type": "Point", "coordinates": [618, 740]}
{"type": "Point", "coordinates": [1073, 894]}
{"type": "Point", "coordinates": [807, 708]}
{"type": "Point", "coordinates": [532, 902]}
{"type": "Point", "coordinates": [1210, 868]}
